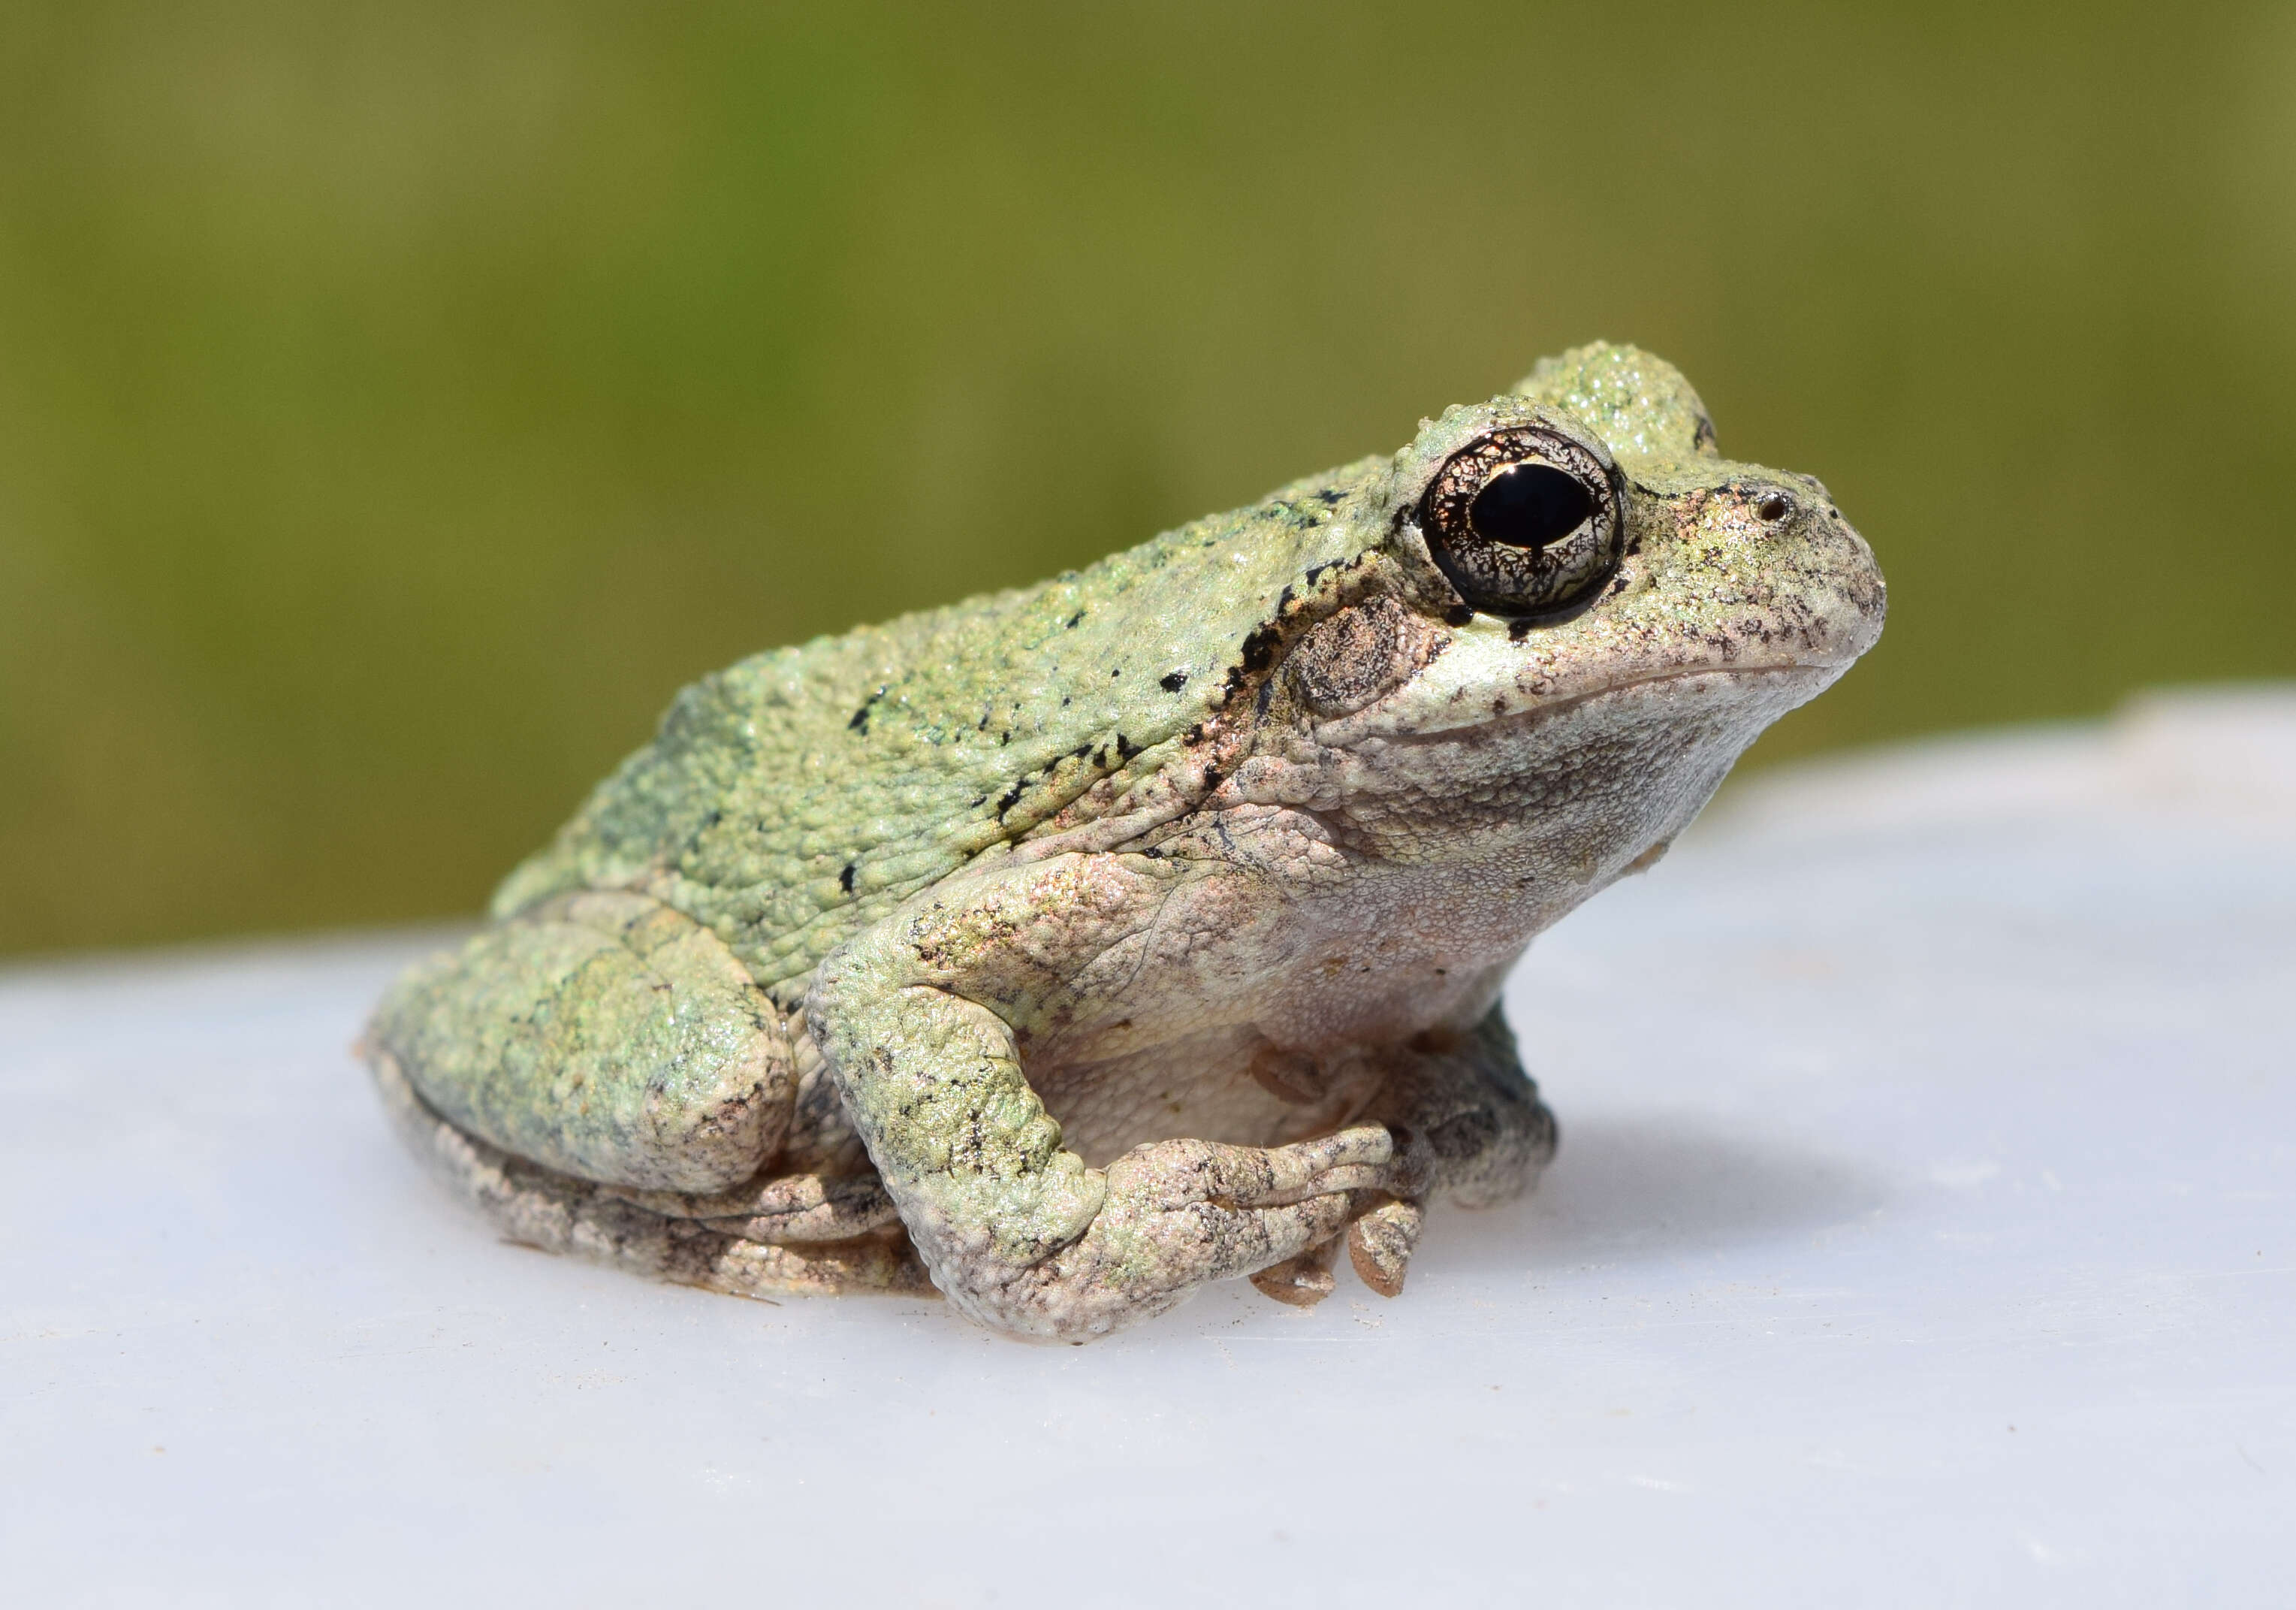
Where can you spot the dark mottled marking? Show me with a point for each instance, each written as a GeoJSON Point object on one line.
{"type": "Point", "coordinates": [845, 878]}
{"type": "Point", "coordinates": [1315, 571]}
{"type": "Point", "coordinates": [1125, 748]}
{"type": "Point", "coordinates": [1074, 620]}
{"type": "Point", "coordinates": [1258, 650]}
{"type": "Point", "coordinates": [1172, 682]}
{"type": "Point", "coordinates": [1618, 586]}
{"type": "Point", "coordinates": [1333, 496]}
{"type": "Point", "coordinates": [1011, 796]}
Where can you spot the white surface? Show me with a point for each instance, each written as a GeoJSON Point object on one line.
{"type": "Point", "coordinates": [1921, 1234]}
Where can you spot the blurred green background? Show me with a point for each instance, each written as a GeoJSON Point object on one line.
{"type": "Point", "coordinates": [397, 402]}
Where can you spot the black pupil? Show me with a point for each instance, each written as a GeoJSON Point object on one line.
{"type": "Point", "coordinates": [1528, 505]}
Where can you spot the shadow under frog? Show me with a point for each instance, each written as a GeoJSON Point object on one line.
{"type": "Point", "coordinates": [1650, 1189]}
{"type": "Point", "coordinates": [1071, 946]}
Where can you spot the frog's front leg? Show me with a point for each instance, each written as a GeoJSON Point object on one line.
{"type": "Point", "coordinates": [916, 1019]}
{"type": "Point", "coordinates": [1470, 1128]}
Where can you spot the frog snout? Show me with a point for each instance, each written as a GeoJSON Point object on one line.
{"type": "Point", "coordinates": [1849, 573]}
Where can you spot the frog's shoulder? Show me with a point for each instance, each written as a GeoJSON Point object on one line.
{"type": "Point", "coordinates": [805, 793]}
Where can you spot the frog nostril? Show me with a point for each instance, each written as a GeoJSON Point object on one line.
{"type": "Point", "coordinates": [1773, 508]}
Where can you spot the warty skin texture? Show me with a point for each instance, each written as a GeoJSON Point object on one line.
{"type": "Point", "coordinates": [1141, 928]}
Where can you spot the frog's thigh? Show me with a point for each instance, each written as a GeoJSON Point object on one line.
{"type": "Point", "coordinates": [602, 1035]}
{"type": "Point", "coordinates": [633, 1231]}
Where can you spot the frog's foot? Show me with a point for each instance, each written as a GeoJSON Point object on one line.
{"type": "Point", "coordinates": [1302, 1281]}
{"type": "Point", "coordinates": [788, 1209]}
{"type": "Point", "coordinates": [1381, 1243]}
{"type": "Point", "coordinates": [1469, 1129]}
{"type": "Point", "coordinates": [839, 1240]}
{"type": "Point", "coordinates": [1179, 1214]}
{"type": "Point", "coordinates": [1468, 1121]}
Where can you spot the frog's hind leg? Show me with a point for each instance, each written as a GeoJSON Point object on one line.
{"type": "Point", "coordinates": [839, 1241]}
{"type": "Point", "coordinates": [604, 1036]}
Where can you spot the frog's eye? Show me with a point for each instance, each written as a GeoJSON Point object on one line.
{"type": "Point", "coordinates": [1524, 523]}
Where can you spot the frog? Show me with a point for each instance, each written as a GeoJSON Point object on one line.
{"type": "Point", "coordinates": [1067, 949]}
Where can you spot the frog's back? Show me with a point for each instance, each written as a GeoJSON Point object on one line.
{"type": "Point", "coordinates": [805, 793]}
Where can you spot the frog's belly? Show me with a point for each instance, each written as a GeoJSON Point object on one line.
{"type": "Point", "coordinates": [1198, 1087]}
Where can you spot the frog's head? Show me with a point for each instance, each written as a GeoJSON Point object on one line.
{"type": "Point", "coordinates": [1568, 617]}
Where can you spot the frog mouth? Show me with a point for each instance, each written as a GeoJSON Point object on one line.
{"type": "Point", "coordinates": [1819, 674]}
{"type": "Point", "coordinates": [1827, 668]}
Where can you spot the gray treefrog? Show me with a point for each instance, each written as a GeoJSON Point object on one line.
{"type": "Point", "coordinates": [1074, 946]}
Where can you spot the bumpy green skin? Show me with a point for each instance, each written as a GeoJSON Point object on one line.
{"type": "Point", "coordinates": [602, 1035]}
{"type": "Point", "coordinates": [802, 795]}
{"type": "Point", "coordinates": [1231, 837]}
{"type": "Point", "coordinates": [906, 751]}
